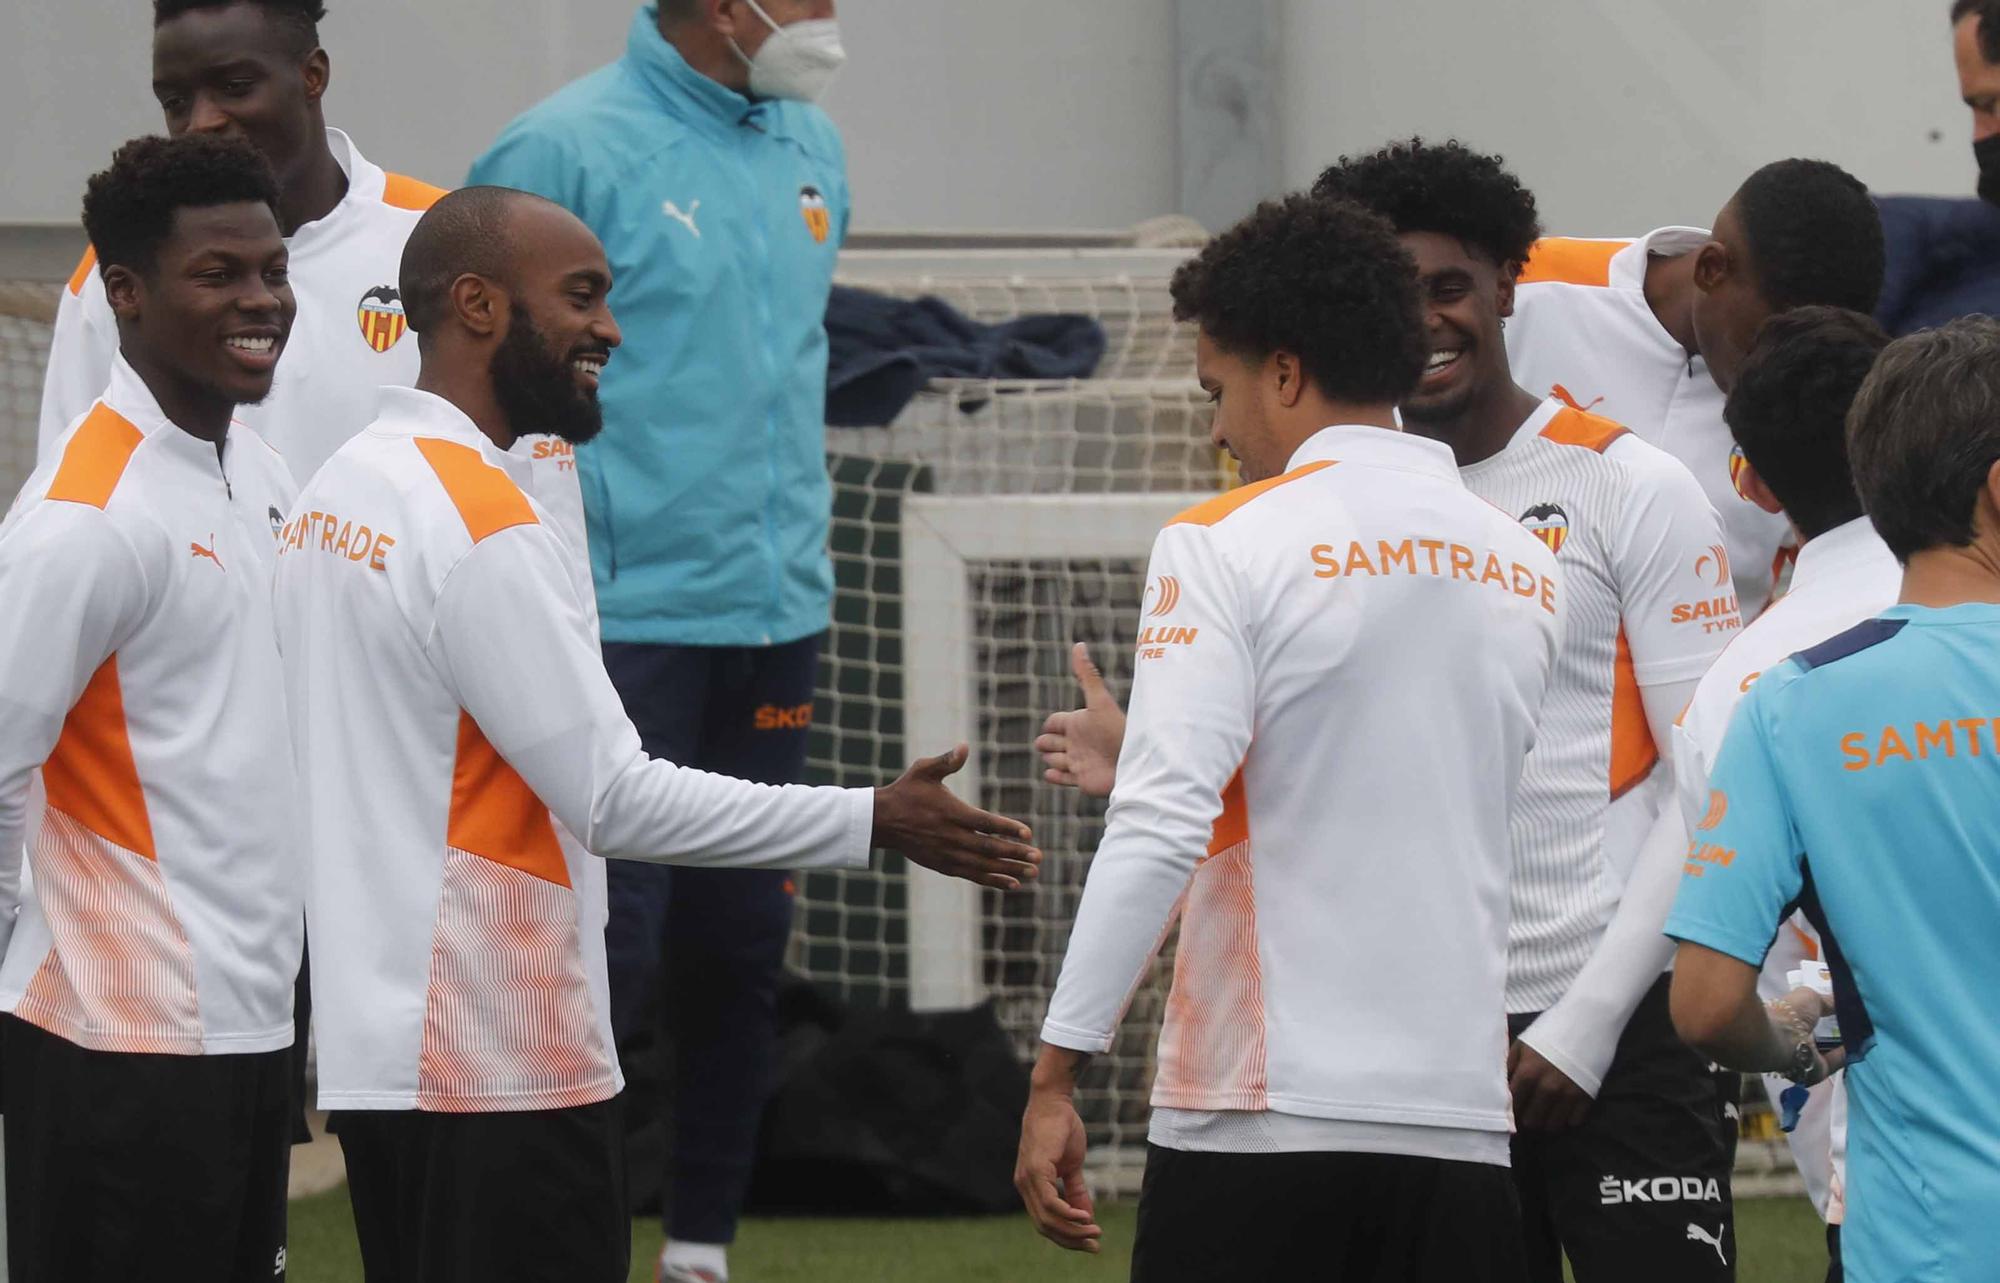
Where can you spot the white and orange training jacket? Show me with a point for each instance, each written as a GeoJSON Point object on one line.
{"type": "Point", "coordinates": [1339, 676]}
{"type": "Point", "coordinates": [160, 908]}
{"type": "Point", "coordinates": [462, 756]}
{"type": "Point", "coordinates": [1582, 331]}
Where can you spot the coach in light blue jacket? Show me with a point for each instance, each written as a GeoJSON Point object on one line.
{"type": "Point", "coordinates": [720, 193]}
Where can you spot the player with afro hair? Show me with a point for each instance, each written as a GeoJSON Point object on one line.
{"type": "Point", "coordinates": [1629, 524]}
{"type": "Point", "coordinates": [1469, 225]}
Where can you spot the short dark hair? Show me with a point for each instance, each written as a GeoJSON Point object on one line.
{"type": "Point", "coordinates": [1925, 432]}
{"type": "Point", "coordinates": [675, 12]}
{"type": "Point", "coordinates": [1788, 410]}
{"type": "Point", "coordinates": [464, 233]}
{"type": "Point", "coordinates": [1989, 24]}
{"type": "Point", "coordinates": [302, 16]}
{"type": "Point", "coordinates": [1323, 279]}
{"type": "Point", "coordinates": [1441, 187]}
{"type": "Point", "coordinates": [1814, 236]}
{"type": "Point", "coordinates": [129, 209]}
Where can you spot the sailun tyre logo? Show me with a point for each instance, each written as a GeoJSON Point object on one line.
{"type": "Point", "coordinates": [1718, 806]}
{"type": "Point", "coordinates": [818, 220]}
{"type": "Point", "coordinates": [1548, 523]}
{"type": "Point", "coordinates": [381, 316]}
{"type": "Point", "coordinates": [1717, 557]}
{"type": "Point", "coordinates": [1162, 595]}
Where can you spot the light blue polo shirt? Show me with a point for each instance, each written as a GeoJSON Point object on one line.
{"type": "Point", "coordinates": [1860, 780]}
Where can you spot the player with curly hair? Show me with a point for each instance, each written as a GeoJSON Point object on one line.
{"type": "Point", "coordinates": [1652, 331]}
{"type": "Point", "coordinates": [1601, 1085]}
{"type": "Point", "coordinates": [150, 954]}
{"type": "Point", "coordinates": [1330, 1101]}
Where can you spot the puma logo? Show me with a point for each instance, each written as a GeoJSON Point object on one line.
{"type": "Point", "coordinates": [1697, 1234]}
{"type": "Point", "coordinates": [686, 220]}
{"type": "Point", "coordinates": [208, 552]}
{"type": "Point", "coordinates": [1568, 398]}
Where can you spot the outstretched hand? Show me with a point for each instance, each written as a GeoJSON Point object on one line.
{"type": "Point", "coordinates": [1080, 748]}
{"type": "Point", "coordinates": [919, 818]}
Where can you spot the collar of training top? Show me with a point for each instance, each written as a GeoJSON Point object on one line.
{"type": "Point", "coordinates": [408, 412]}
{"type": "Point", "coordinates": [1836, 551]}
{"type": "Point", "coordinates": [702, 102]}
{"type": "Point", "coordinates": [1377, 448]}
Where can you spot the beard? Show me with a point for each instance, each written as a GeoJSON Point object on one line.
{"type": "Point", "coordinates": [537, 387]}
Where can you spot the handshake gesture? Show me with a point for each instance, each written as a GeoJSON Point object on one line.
{"type": "Point", "coordinates": [920, 819]}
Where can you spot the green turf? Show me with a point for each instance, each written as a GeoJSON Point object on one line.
{"type": "Point", "coordinates": [1781, 1241]}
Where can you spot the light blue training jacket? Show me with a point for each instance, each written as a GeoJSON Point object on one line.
{"type": "Point", "coordinates": [706, 496]}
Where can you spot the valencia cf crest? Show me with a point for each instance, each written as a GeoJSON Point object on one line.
{"type": "Point", "coordinates": [381, 317]}
{"type": "Point", "coordinates": [1737, 462]}
{"type": "Point", "coordinates": [1548, 523]}
{"type": "Point", "coordinates": [818, 219]}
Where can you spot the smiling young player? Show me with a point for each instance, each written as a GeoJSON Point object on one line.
{"type": "Point", "coordinates": [149, 968]}
{"type": "Point", "coordinates": [1601, 1087]}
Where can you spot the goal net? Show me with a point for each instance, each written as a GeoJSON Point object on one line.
{"type": "Point", "coordinates": [974, 539]}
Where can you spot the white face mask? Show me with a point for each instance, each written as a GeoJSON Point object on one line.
{"type": "Point", "coordinates": [794, 62]}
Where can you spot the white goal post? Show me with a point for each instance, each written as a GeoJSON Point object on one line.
{"type": "Point", "coordinates": [941, 535]}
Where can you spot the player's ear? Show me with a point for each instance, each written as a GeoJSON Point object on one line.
{"type": "Point", "coordinates": [1287, 377]}
{"type": "Point", "coordinates": [479, 304]}
{"type": "Point", "coordinates": [1712, 263]}
{"type": "Point", "coordinates": [1504, 293]}
{"type": "Point", "coordinates": [1987, 513]}
{"type": "Point", "coordinates": [125, 291]}
{"type": "Point", "coordinates": [317, 73]}
{"type": "Point", "coordinates": [1752, 487]}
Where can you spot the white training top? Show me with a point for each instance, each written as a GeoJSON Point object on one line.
{"type": "Point", "coordinates": [347, 341]}
{"type": "Point", "coordinates": [1843, 577]}
{"type": "Point", "coordinates": [1648, 602]}
{"type": "Point", "coordinates": [462, 754]}
{"type": "Point", "coordinates": [1582, 331]}
{"type": "Point", "coordinates": [1306, 693]}
{"type": "Point", "coordinates": [139, 685]}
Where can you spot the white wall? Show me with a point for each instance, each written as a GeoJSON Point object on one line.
{"type": "Point", "coordinates": [1042, 114]}
{"type": "Point", "coordinates": [1628, 114]}
{"type": "Point", "coordinates": [958, 113]}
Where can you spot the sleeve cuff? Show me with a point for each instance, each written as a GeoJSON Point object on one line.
{"type": "Point", "coordinates": [1071, 1039]}
{"type": "Point", "coordinates": [1719, 939]}
{"type": "Point", "coordinates": [859, 845]}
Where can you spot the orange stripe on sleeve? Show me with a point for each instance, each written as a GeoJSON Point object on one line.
{"type": "Point", "coordinates": [1214, 510]}
{"type": "Point", "coordinates": [405, 192]}
{"type": "Point", "coordinates": [95, 458]}
{"type": "Point", "coordinates": [487, 499]}
{"type": "Point", "coordinates": [91, 776]}
{"type": "Point", "coordinates": [84, 268]}
{"type": "Point", "coordinates": [495, 815]}
{"type": "Point", "coordinates": [1572, 426]}
{"type": "Point", "coordinates": [1571, 261]}
{"type": "Point", "coordinates": [1633, 752]}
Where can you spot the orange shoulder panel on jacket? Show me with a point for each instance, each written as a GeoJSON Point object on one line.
{"type": "Point", "coordinates": [95, 458]}
{"type": "Point", "coordinates": [84, 267]}
{"type": "Point", "coordinates": [487, 499]}
{"type": "Point", "coordinates": [1213, 510]}
{"type": "Point", "coordinates": [1572, 426]}
{"type": "Point", "coordinates": [405, 192]}
{"type": "Point", "coordinates": [1571, 261]}
{"type": "Point", "coordinates": [495, 815]}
